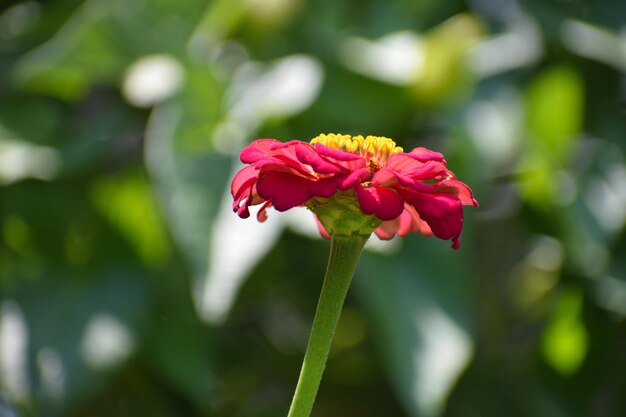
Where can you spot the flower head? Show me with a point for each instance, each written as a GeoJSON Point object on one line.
{"type": "Point", "coordinates": [354, 185]}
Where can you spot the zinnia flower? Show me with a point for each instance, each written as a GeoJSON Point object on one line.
{"type": "Point", "coordinates": [354, 185]}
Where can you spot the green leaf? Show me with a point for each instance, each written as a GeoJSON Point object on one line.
{"type": "Point", "coordinates": [565, 339]}
{"type": "Point", "coordinates": [555, 111]}
{"type": "Point", "coordinates": [100, 40]}
{"type": "Point", "coordinates": [554, 117]}
{"type": "Point", "coordinates": [126, 200]}
{"type": "Point", "coordinates": [190, 180]}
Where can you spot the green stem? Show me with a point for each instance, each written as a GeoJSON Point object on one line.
{"type": "Point", "coordinates": [344, 255]}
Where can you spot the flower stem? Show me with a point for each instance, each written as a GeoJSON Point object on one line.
{"type": "Point", "coordinates": [344, 255]}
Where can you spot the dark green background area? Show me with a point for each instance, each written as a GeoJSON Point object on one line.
{"type": "Point", "coordinates": [109, 209]}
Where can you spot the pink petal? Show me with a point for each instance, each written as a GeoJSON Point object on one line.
{"type": "Point", "coordinates": [243, 180]}
{"type": "Point", "coordinates": [387, 177]}
{"type": "Point", "coordinates": [423, 155]}
{"type": "Point", "coordinates": [408, 222]}
{"type": "Point", "coordinates": [411, 222]}
{"type": "Point", "coordinates": [356, 177]}
{"type": "Point", "coordinates": [387, 230]}
{"type": "Point", "coordinates": [324, 187]}
{"type": "Point", "coordinates": [308, 155]}
{"type": "Point", "coordinates": [337, 154]}
{"type": "Point", "coordinates": [261, 216]}
{"type": "Point", "coordinates": [285, 189]}
{"type": "Point", "coordinates": [263, 153]}
{"type": "Point", "coordinates": [402, 165]}
{"type": "Point", "coordinates": [402, 162]}
{"type": "Point", "coordinates": [321, 229]}
{"type": "Point", "coordinates": [461, 190]}
{"type": "Point", "coordinates": [243, 189]}
{"type": "Point", "coordinates": [257, 150]}
{"type": "Point", "coordinates": [384, 177]}
{"type": "Point", "coordinates": [442, 212]}
{"type": "Point", "coordinates": [385, 203]}
{"type": "Point", "coordinates": [283, 145]}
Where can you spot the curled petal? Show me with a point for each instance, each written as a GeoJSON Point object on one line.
{"type": "Point", "coordinates": [308, 155]}
{"type": "Point", "coordinates": [283, 145]}
{"type": "Point", "coordinates": [411, 222]}
{"type": "Point", "coordinates": [383, 202]}
{"type": "Point", "coordinates": [285, 189]}
{"type": "Point", "coordinates": [408, 222]}
{"type": "Point", "coordinates": [265, 153]}
{"type": "Point", "coordinates": [387, 230]}
{"type": "Point", "coordinates": [461, 190]}
{"type": "Point", "coordinates": [387, 177]}
{"type": "Point", "coordinates": [402, 165]}
{"type": "Point", "coordinates": [423, 155]}
{"type": "Point", "coordinates": [384, 177]}
{"type": "Point", "coordinates": [243, 180]}
{"type": "Point", "coordinates": [261, 216]}
{"type": "Point", "coordinates": [354, 178]}
{"type": "Point", "coordinates": [442, 212]}
{"type": "Point", "coordinates": [337, 154]}
{"type": "Point", "coordinates": [243, 189]}
{"type": "Point", "coordinates": [320, 227]}
{"type": "Point", "coordinates": [257, 150]}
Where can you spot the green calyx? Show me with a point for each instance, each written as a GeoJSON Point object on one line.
{"type": "Point", "coordinates": [341, 215]}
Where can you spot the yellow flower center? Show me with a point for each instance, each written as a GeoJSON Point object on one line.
{"type": "Point", "coordinates": [377, 147]}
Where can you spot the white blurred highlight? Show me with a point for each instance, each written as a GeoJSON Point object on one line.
{"type": "Point", "coordinates": [610, 293]}
{"type": "Point", "coordinates": [152, 79]}
{"type": "Point", "coordinates": [446, 349]}
{"type": "Point", "coordinates": [606, 198]}
{"type": "Point", "coordinates": [518, 47]}
{"type": "Point", "coordinates": [52, 373]}
{"type": "Point", "coordinates": [229, 137]}
{"type": "Point", "coordinates": [13, 352]}
{"type": "Point", "coordinates": [20, 160]}
{"type": "Point", "coordinates": [594, 257]}
{"type": "Point", "coordinates": [281, 90]}
{"type": "Point", "coordinates": [395, 59]}
{"type": "Point", "coordinates": [546, 254]}
{"type": "Point", "coordinates": [106, 342]}
{"type": "Point", "coordinates": [595, 43]}
{"type": "Point", "coordinates": [18, 19]}
{"type": "Point", "coordinates": [495, 126]}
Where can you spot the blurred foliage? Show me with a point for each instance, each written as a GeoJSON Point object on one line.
{"type": "Point", "coordinates": [127, 287]}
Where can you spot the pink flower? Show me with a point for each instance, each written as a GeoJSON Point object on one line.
{"type": "Point", "coordinates": [396, 192]}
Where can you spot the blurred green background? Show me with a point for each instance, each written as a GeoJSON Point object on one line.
{"type": "Point", "coordinates": [129, 288]}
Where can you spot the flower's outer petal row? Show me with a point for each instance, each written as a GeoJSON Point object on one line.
{"type": "Point", "coordinates": [409, 192]}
